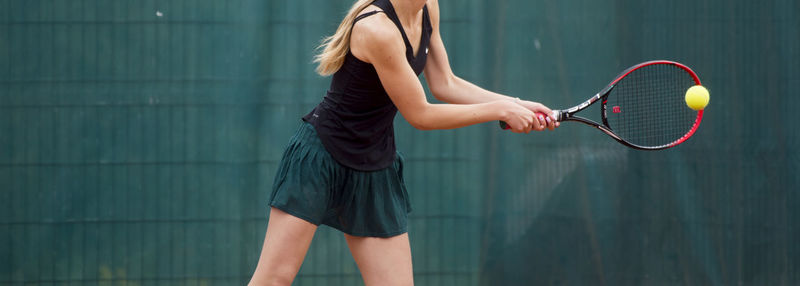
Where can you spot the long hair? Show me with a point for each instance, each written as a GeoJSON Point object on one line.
{"type": "Point", "coordinates": [337, 45]}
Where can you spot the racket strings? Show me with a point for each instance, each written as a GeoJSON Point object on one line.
{"type": "Point", "coordinates": [651, 107]}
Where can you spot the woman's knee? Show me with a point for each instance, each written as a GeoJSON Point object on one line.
{"type": "Point", "coordinates": [273, 278]}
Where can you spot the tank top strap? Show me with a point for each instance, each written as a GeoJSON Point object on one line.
{"type": "Point", "coordinates": [387, 8]}
{"type": "Point", "coordinates": [362, 16]}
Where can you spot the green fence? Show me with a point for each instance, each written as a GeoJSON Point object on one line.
{"type": "Point", "coordinates": [138, 141]}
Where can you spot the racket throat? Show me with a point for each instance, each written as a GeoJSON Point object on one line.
{"type": "Point", "coordinates": [609, 133]}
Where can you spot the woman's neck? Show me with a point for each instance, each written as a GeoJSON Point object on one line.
{"type": "Point", "coordinates": [407, 10]}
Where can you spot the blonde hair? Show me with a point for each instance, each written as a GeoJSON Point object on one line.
{"type": "Point", "coordinates": [337, 45]}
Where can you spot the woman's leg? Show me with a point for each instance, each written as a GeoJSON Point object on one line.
{"type": "Point", "coordinates": [285, 247]}
{"type": "Point", "coordinates": [383, 261]}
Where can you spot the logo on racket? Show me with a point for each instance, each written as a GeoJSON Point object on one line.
{"type": "Point", "coordinates": [616, 109]}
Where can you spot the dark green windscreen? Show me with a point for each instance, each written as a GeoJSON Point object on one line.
{"type": "Point", "coordinates": [139, 139]}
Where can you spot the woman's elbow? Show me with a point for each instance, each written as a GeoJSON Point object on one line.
{"type": "Point", "coordinates": [441, 89]}
{"type": "Point", "coordinates": [442, 97]}
{"type": "Point", "coordinates": [437, 91]}
{"type": "Point", "coordinates": [420, 124]}
{"type": "Point", "coordinates": [419, 120]}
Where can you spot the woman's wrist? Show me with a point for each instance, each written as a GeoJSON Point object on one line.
{"type": "Point", "coordinates": [513, 99]}
{"type": "Point", "coordinates": [500, 107]}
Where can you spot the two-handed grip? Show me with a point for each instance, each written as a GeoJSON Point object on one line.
{"type": "Point", "coordinates": [505, 126]}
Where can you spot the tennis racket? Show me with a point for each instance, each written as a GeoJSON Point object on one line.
{"type": "Point", "coordinates": [644, 107]}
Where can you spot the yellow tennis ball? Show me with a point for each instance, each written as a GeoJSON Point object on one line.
{"type": "Point", "coordinates": [697, 97]}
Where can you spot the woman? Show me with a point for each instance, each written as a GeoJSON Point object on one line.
{"type": "Point", "coordinates": [341, 168]}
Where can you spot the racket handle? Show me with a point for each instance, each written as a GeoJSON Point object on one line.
{"type": "Point", "coordinates": [556, 113]}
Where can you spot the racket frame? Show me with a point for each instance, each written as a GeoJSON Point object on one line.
{"type": "Point", "coordinates": [569, 114]}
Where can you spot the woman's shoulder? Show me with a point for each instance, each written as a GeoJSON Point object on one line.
{"type": "Point", "coordinates": [433, 5]}
{"type": "Point", "coordinates": [375, 25]}
{"type": "Point", "coordinates": [433, 11]}
{"type": "Point", "coordinates": [375, 35]}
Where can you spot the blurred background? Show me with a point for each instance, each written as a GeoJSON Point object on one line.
{"type": "Point", "coordinates": [139, 139]}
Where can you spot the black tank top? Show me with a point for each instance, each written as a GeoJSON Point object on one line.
{"type": "Point", "coordinates": [355, 119]}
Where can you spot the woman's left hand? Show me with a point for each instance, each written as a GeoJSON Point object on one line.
{"type": "Point", "coordinates": [549, 121]}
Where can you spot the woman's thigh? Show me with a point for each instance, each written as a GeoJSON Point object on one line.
{"type": "Point", "coordinates": [285, 247]}
{"type": "Point", "coordinates": [383, 261]}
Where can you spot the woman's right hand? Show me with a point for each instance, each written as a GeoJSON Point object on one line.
{"type": "Point", "coordinates": [519, 118]}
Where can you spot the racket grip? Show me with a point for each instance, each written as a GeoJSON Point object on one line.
{"type": "Point", "coordinates": [505, 126]}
